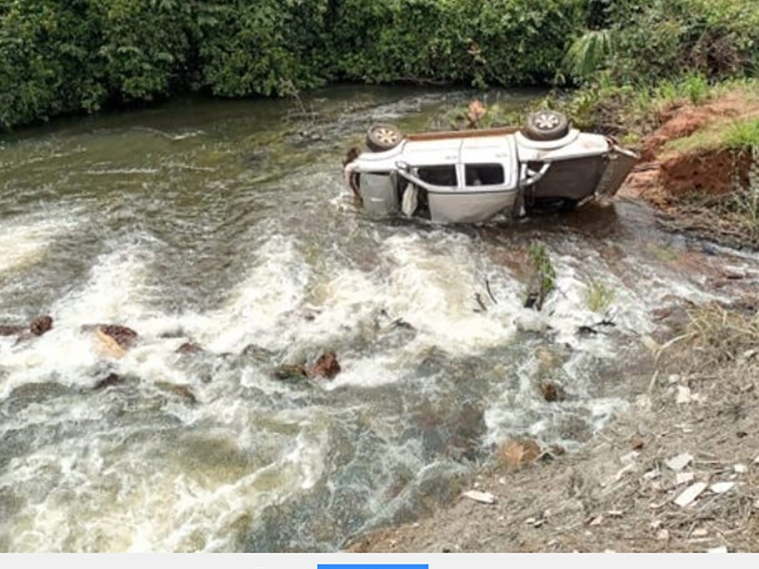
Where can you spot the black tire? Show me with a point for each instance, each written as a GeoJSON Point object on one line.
{"type": "Point", "coordinates": [555, 204]}
{"type": "Point", "coordinates": [546, 125]}
{"type": "Point", "coordinates": [381, 137]}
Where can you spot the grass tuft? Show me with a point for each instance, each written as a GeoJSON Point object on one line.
{"type": "Point", "coordinates": [744, 134]}
{"type": "Point", "coordinates": [539, 256]}
{"type": "Point", "coordinates": [723, 334]}
{"type": "Point", "coordinates": [600, 297]}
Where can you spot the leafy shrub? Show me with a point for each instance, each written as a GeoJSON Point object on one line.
{"type": "Point", "coordinates": [42, 46]}
{"type": "Point", "coordinates": [142, 46]}
{"type": "Point", "coordinates": [257, 47]}
{"type": "Point", "coordinates": [61, 56]}
{"type": "Point", "coordinates": [73, 56]}
{"type": "Point", "coordinates": [662, 39]}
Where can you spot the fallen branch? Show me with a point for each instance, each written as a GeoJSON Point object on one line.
{"type": "Point", "coordinates": [478, 298]}
{"type": "Point", "coordinates": [490, 292]}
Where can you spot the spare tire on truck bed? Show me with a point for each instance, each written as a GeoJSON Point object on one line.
{"type": "Point", "coordinates": [381, 137]}
{"type": "Point", "coordinates": [546, 125]}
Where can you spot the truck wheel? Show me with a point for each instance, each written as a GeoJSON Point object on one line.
{"type": "Point", "coordinates": [546, 125]}
{"type": "Point", "coordinates": [381, 137]}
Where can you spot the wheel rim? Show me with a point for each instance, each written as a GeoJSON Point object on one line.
{"type": "Point", "coordinates": [546, 121]}
{"type": "Point", "coordinates": [385, 135]}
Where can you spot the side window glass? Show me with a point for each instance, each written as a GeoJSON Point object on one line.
{"type": "Point", "coordinates": [484, 174]}
{"type": "Point", "coordinates": [438, 175]}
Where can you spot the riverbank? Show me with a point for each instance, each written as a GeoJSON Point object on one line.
{"type": "Point", "coordinates": [679, 470]}
{"type": "Point", "coordinates": [619, 493]}
{"type": "Point", "coordinates": [701, 167]}
{"type": "Point", "coordinates": [224, 226]}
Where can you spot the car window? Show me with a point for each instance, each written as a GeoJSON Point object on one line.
{"type": "Point", "coordinates": [484, 174]}
{"type": "Point", "coordinates": [438, 175]}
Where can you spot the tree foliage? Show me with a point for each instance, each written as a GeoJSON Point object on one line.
{"type": "Point", "coordinates": [646, 41]}
{"type": "Point", "coordinates": [263, 47]}
{"type": "Point", "coordinates": [59, 56]}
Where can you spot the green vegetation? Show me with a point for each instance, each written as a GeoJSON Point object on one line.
{"type": "Point", "coordinates": [740, 134]}
{"type": "Point", "coordinates": [588, 53]}
{"type": "Point", "coordinates": [743, 135]}
{"type": "Point", "coordinates": [539, 257]}
{"type": "Point", "coordinates": [642, 42]}
{"type": "Point", "coordinates": [543, 278]}
{"type": "Point", "coordinates": [80, 55]}
{"type": "Point", "coordinates": [600, 297]}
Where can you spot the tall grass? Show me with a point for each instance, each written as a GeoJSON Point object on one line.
{"type": "Point", "coordinates": [743, 134]}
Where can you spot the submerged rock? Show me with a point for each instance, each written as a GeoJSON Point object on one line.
{"type": "Point", "coordinates": [114, 339]}
{"type": "Point", "coordinates": [11, 330]}
{"type": "Point", "coordinates": [37, 327]}
{"type": "Point", "coordinates": [292, 373]}
{"type": "Point", "coordinates": [190, 348]}
{"type": "Point", "coordinates": [257, 353]}
{"type": "Point", "coordinates": [41, 325]}
{"type": "Point", "coordinates": [552, 392]}
{"type": "Point", "coordinates": [110, 380]}
{"type": "Point", "coordinates": [451, 428]}
{"type": "Point", "coordinates": [173, 334]}
{"type": "Point", "coordinates": [434, 360]}
{"type": "Point", "coordinates": [123, 336]}
{"type": "Point", "coordinates": [183, 391]}
{"type": "Point", "coordinates": [326, 366]}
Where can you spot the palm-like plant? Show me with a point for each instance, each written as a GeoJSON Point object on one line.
{"type": "Point", "coordinates": [588, 53]}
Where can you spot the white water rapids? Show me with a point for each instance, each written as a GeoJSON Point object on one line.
{"type": "Point", "coordinates": [226, 251]}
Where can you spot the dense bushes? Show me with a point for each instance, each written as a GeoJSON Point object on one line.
{"type": "Point", "coordinates": [652, 40]}
{"type": "Point", "coordinates": [265, 46]}
{"type": "Point", "coordinates": [61, 56]}
{"type": "Point", "coordinates": [68, 55]}
{"type": "Point", "coordinates": [478, 42]}
{"type": "Point", "coordinates": [141, 46]}
{"type": "Point", "coordinates": [76, 55]}
{"type": "Point", "coordinates": [41, 47]}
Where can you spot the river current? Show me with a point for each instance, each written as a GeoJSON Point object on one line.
{"type": "Point", "coordinates": [227, 224]}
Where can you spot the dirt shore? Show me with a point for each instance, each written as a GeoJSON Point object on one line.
{"type": "Point", "coordinates": [678, 471]}
{"type": "Point", "coordinates": [691, 169]}
{"type": "Point", "coordinates": [618, 493]}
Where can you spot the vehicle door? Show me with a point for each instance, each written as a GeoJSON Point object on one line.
{"type": "Point", "coordinates": [488, 165]}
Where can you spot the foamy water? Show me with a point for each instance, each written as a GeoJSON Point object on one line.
{"type": "Point", "coordinates": [25, 241]}
{"type": "Point", "coordinates": [430, 376]}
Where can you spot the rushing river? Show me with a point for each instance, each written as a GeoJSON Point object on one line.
{"type": "Point", "coordinates": [225, 224]}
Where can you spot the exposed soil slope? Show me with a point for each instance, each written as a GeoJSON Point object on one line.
{"type": "Point", "coordinates": [689, 172]}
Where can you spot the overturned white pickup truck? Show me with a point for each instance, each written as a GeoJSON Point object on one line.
{"type": "Point", "coordinates": [472, 176]}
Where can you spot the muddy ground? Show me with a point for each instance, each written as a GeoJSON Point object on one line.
{"type": "Point", "coordinates": [691, 175]}
{"type": "Point", "coordinates": [679, 471]}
